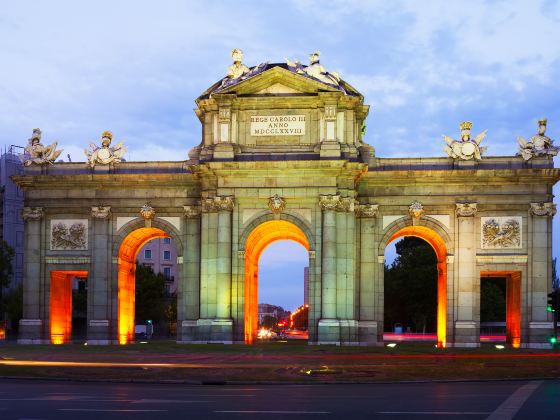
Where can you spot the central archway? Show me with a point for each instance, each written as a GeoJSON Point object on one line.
{"type": "Point", "coordinates": [126, 278]}
{"type": "Point", "coordinates": [436, 242]}
{"type": "Point", "coordinates": [263, 235]}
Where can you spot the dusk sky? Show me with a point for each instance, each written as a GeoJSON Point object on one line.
{"type": "Point", "coordinates": [75, 69]}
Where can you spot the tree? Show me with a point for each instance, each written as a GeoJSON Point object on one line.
{"type": "Point", "coordinates": [269, 321]}
{"type": "Point", "coordinates": [492, 299]}
{"type": "Point", "coordinates": [150, 294]}
{"type": "Point", "coordinates": [6, 270]}
{"type": "Point", "coordinates": [411, 286]}
{"type": "Point", "coordinates": [13, 302]}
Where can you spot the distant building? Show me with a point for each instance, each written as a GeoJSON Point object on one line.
{"type": "Point", "coordinates": [306, 285]}
{"type": "Point", "coordinates": [266, 309]}
{"type": "Point", "coordinates": [11, 204]}
{"type": "Point", "coordinates": [161, 255]}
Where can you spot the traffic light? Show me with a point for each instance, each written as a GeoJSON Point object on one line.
{"type": "Point", "coordinates": [553, 340]}
{"type": "Point", "coordinates": [552, 303]}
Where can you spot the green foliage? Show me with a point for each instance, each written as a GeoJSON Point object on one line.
{"type": "Point", "coordinates": [269, 321]}
{"type": "Point", "coordinates": [411, 286]}
{"type": "Point", "coordinates": [150, 295]}
{"type": "Point", "coordinates": [13, 304]}
{"type": "Point", "coordinates": [492, 300]}
{"type": "Point", "coordinates": [6, 270]}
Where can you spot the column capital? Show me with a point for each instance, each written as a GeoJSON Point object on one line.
{"type": "Point", "coordinates": [218, 203]}
{"type": "Point", "coordinates": [101, 212]}
{"type": "Point", "coordinates": [32, 213]}
{"type": "Point", "coordinates": [191, 212]}
{"type": "Point", "coordinates": [366, 210]}
{"type": "Point", "coordinates": [542, 209]}
{"type": "Point", "coordinates": [347, 204]}
{"type": "Point", "coordinates": [465, 209]}
{"type": "Point", "coordinates": [329, 202]}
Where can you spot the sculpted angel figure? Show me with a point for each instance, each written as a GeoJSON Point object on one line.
{"type": "Point", "coordinates": [105, 154]}
{"type": "Point", "coordinates": [315, 69]}
{"type": "Point", "coordinates": [36, 153]}
{"type": "Point", "coordinates": [538, 145]}
{"type": "Point", "coordinates": [466, 148]}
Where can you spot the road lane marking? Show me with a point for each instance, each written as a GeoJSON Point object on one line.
{"type": "Point", "coordinates": [270, 412]}
{"type": "Point", "coordinates": [124, 410]}
{"type": "Point", "coordinates": [156, 401]}
{"type": "Point", "coordinates": [438, 413]}
{"type": "Point", "coordinates": [509, 408]}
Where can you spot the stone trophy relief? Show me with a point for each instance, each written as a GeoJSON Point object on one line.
{"type": "Point", "coordinates": [500, 232]}
{"type": "Point", "coordinates": [69, 234]}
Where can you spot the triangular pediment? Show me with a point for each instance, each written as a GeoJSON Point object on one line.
{"type": "Point", "coordinates": [277, 88]}
{"type": "Point", "coordinates": [282, 80]}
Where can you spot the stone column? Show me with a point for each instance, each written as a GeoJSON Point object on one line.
{"type": "Point", "coordinates": [224, 258]}
{"type": "Point", "coordinates": [540, 272]}
{"type": "Point", "coordinates": [98, 326]}
{"type": "Point", "coordinates": [346, 299]}
{"type": "Point", "coordinates": [188, 289]}
{"type": "Point", "coordinates": [467, 321]}
{"type": "Point", "coordinates": [368, 325]}
{"type": "Point", "coordinates": [329, 327]}
{"type": "Point", "coordinates": [31, 327]}
{"type": "Point", "coordinates": [215, 323]}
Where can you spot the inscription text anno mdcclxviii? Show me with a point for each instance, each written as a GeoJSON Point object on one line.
{"type": "Point", "coordinates": [278, 125]}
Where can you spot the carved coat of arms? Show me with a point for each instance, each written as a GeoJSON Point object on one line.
{"type": "Point", "coordinates": [501, 232]}
{"type": "Point", "coordinates": [69, 234]}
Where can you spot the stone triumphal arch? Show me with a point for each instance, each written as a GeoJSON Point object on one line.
{"type": "Point", "coordinates": [282, 156]}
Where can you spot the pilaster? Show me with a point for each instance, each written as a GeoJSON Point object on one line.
{"type": "Point", "coordinates": [32, 326]}
{"type": "Point", "coordinates": [540, 219]}
{"type": "Point", "coordinates": [467, 312]}
{"type": "Point", "coordinates": [99, 291]}
{"type": "Point", "coordinates": [188, 290]}
{"type": "Point", "coordinates": [370, 328]}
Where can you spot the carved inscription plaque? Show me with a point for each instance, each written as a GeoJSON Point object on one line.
{"type": "Point", "coordinates": [277, 125]}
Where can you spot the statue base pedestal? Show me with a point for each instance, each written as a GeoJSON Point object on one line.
{"type": "Point", "coordinates": [223, 151]}
{"type": "Point", "coordinates": [329, 150]}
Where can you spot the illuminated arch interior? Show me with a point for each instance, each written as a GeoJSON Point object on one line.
{"type": "Point", "coordinates": [61, 305]}
{"type": "Point", "coordinates": [513, 304]}
{"type": "Point", "coordinates": [262, 236]}
{"type": "Point", "coordinates": [438, 245]}
{"type": "Point", "coordinates": [126, 278]}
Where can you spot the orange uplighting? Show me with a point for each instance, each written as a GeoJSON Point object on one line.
{"type": "Point", "coordinates": [513, 304]}
{"type": "Point", "coordinates": [126, 278]}
{"type": "Point", "coordinates": [438, 245]}
{"type": "Point", "coordinates": [61, 305]}
{"type": "Point", "coordinates": [263, 235]}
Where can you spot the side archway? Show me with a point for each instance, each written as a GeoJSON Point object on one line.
{"type": "Point", "coordinates": [132, 238]}
{"type": "Point", "coordinates": [429, 233]}
{"type": "Point", "coordinates": [258, 238]}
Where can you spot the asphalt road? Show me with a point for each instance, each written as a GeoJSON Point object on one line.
{"type": "Point", "coordinates": [30, 399]}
